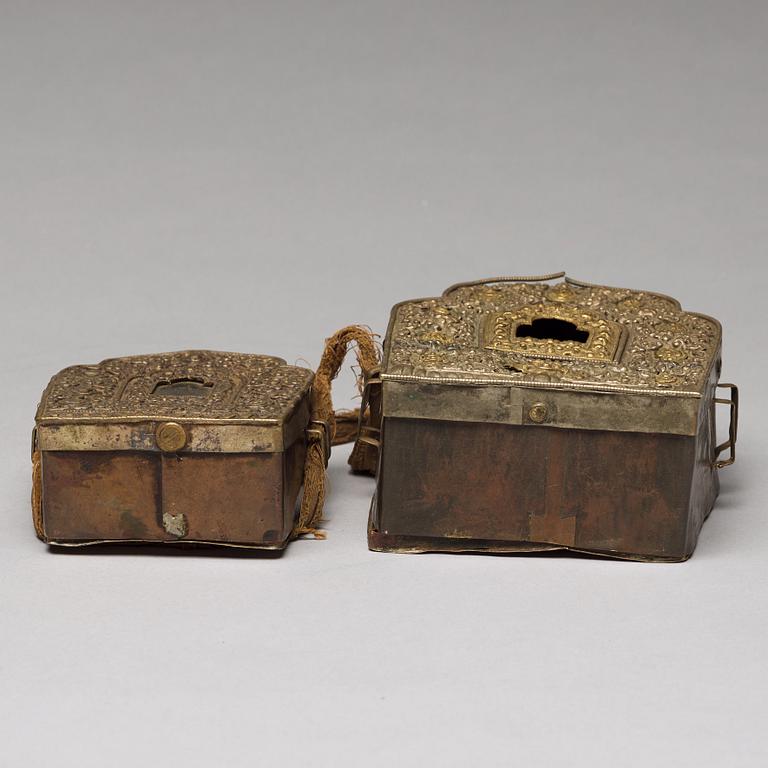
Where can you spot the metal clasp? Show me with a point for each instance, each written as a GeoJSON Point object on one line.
{"type": "Point", "coordinates": [320, 431]}
{"type": "Point", "coordinates": [730, 443]}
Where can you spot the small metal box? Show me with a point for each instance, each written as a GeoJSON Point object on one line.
{"type": "Point", "coordinates": [518, 414]}
{"type": "Point", "coordinates": [198, 446]}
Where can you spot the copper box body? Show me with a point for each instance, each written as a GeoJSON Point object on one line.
{"type": "Point", "coordinates": [189, 447]}
{"type": "Point", "coordinates": [521, 415]}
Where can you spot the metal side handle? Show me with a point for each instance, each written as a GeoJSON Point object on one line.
{"type": "Point", "coordinates": [730, 443]}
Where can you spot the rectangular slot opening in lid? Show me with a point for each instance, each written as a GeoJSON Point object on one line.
{"type": "Point", "coordinates": [182, 388]}
{"type": "Point", "coordinates": [553, 331]}
{"type": "Point", "coordinates": [552, 328]}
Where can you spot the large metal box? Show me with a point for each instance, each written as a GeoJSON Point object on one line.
{"type": "Point", "coordinates": [522, 414]}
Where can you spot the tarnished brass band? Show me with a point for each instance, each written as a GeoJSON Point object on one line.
{"type": "Point", "coordinates": [203, 438]}
{"type": "Point", "coordinates": [616, 412]}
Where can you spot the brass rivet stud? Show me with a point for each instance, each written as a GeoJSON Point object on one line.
{"type": "Point", "coordinates": [170, 437]}
{"type": "Point", "coordinates": [537, 413]}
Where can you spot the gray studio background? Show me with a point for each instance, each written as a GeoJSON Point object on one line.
{"type": "Point", "coordinates": [251, 176]}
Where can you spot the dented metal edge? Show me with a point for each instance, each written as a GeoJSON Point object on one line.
{"type": "Point", "coordinates": [410, 544]}
{"type": "Point", "coordinates": [172, 542]}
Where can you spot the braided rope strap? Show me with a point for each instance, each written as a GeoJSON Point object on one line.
{"type": "Point", "coordinates": [342, 427]}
